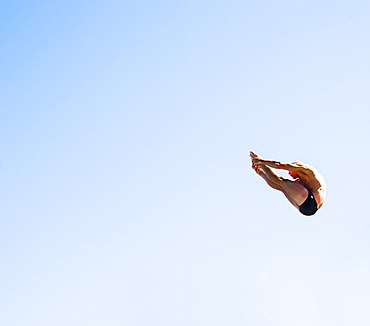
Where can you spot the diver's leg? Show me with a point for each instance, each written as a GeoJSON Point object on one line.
{"type": "Point", "coordinates": [259, 170]}
{"type": "Point", "coordinates": [271, 174]}
{"type": "Point", "coordinates": [297, 192]}
{"type": "Point", "coordinates": [293, 191]}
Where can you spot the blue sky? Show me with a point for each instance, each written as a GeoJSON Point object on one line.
{"type": "Point", "coordinates": [126, 191]}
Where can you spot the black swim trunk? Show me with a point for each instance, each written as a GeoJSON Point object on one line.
{"type": "Point", "coordinates": [309, 207]}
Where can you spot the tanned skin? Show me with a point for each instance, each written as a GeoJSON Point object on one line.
{"type": "Point", "coordinates": [305, 179]}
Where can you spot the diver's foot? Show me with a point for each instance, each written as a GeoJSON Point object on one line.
{"type": "Point", "coordinates": [253, 154]}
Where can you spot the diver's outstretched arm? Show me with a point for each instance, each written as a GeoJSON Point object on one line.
{"type": "Point", "coordinates": [283, 166]}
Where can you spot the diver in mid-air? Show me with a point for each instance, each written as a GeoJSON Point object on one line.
{"type": "Point", "coordinates": [307, 190]}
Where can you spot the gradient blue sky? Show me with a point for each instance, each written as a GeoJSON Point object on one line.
{"type": "Point", "coordinates": [126, 191]}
